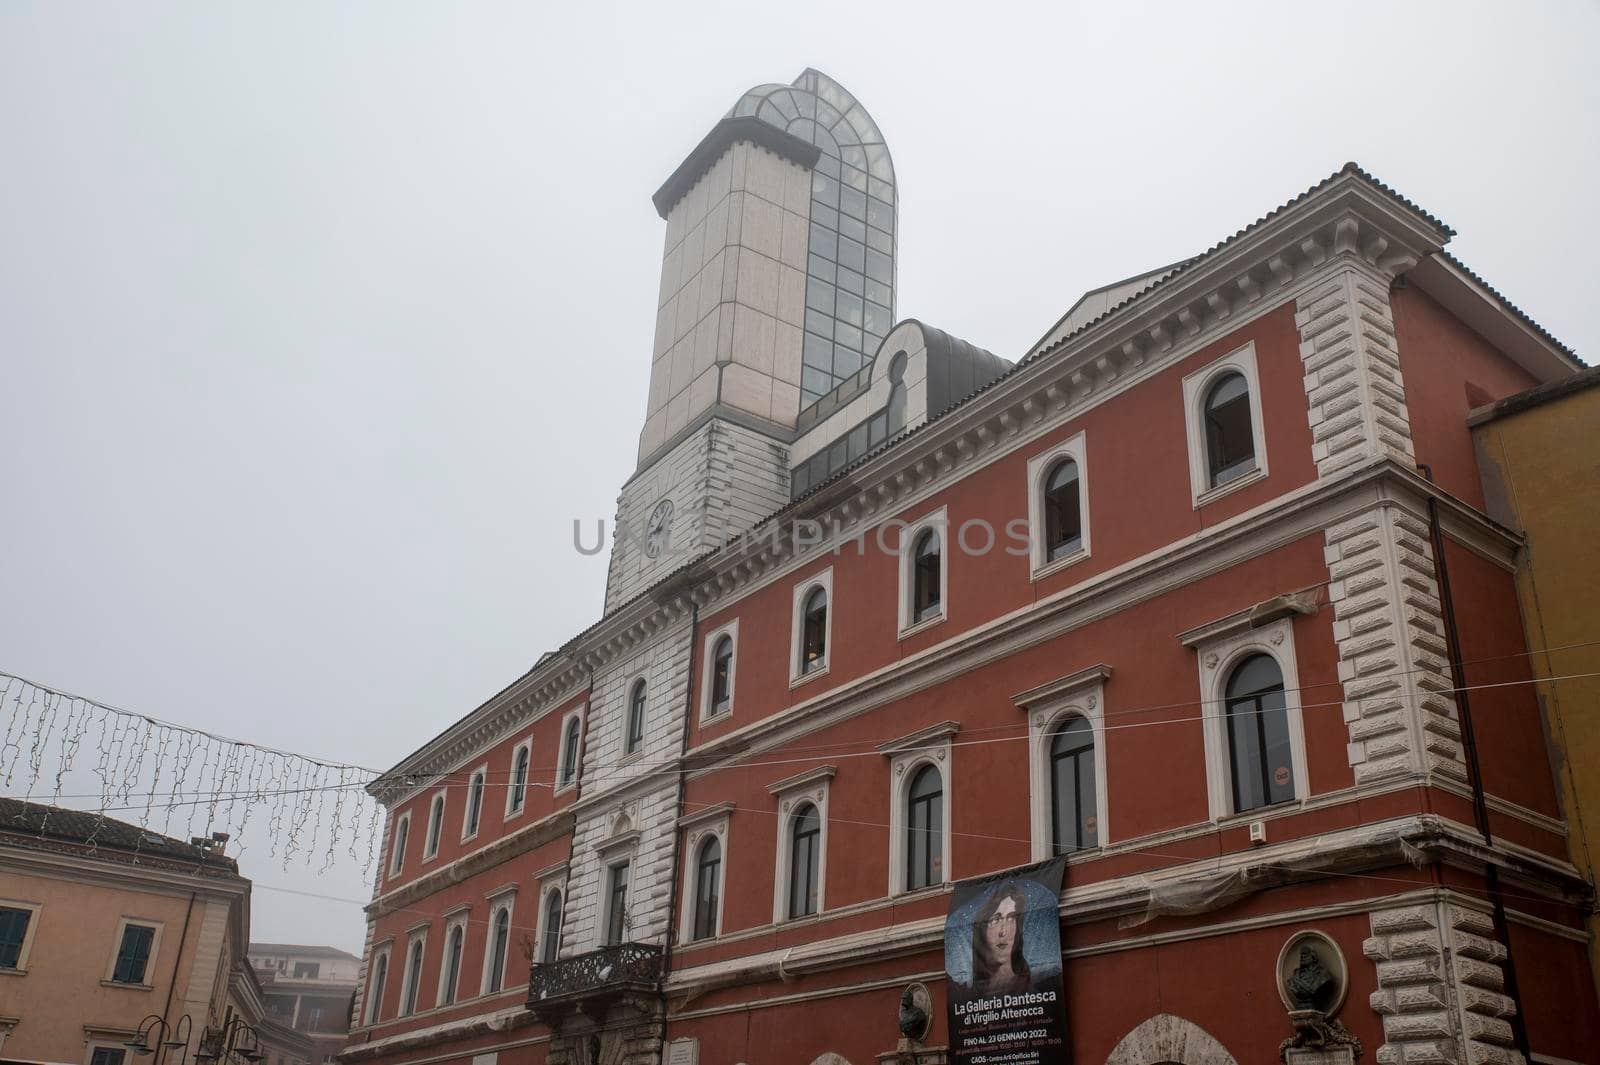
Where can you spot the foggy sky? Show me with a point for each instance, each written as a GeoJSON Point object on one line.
{"type": "Point", "coordinates": [320, 324]}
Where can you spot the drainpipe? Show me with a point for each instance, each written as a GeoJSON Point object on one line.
{"type": "Point", "coordinates": [1480, 805]}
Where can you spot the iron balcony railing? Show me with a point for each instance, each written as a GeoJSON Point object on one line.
{"type": "Point", "coordinates": [608, 971]}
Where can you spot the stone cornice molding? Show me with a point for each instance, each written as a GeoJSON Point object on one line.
{"type": "Point", "coordinates": [1253, 617]}
{"type": "Point", "coordinates": [800, 781]}
{"type": "Point", "coordinates": [1050, 691]}
{"type": "Point", "coordinates": [500, 851]}
{"type": "Point", "coordinates": [710, 813]}
{"type": "Point", "coordinates": [924, 739]}
{"type": "Point", "coordinates": [153, 875]}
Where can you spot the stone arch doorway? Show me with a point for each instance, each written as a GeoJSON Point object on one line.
{"type": "Point", "coordinates": [1169, 1040]}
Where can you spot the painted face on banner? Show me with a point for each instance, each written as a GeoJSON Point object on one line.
{"type": "Point", "coordinates": [1001, 931]}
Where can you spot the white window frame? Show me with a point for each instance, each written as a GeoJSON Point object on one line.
{"type": "Point", "coordinates": [453, 919]}
{"type": "Point", "coordinates": [708, 711]}
{"type": "Point", "coordinates": [526, 744]}
{"type": "Point", "coordinates": [810, 787]}
{"type": "Point", "coordinates": [561, 787]}
{"type": "Point", "coordinates": [1196, 385]}
{"type": "Point", "coordinates": [34, 909]}
{"type": "Point", "coordinates": [711, 823]}
{"type": "Point", "coordinates": [431, 842]}
{"type": "Point", "coordinates": [550, 881]}
{"type": "Point", "coordinates": [469, 831]}
{"type": "Point", "coordinates": [95, 1044]}
{"type": "Point", "coordinates": [1049, 706]}
{"type": "Point", "coordinates": [149, 963]}
{"type": "Point", "coordinates": [930, 746]}
{"type": "Point", "coordinates": [797, 633]}
{"type": "Point", "coordinates": [397, 853]}
{"type": "Point", "coordinates": [939, 521]}
{"type": "Point", "coordinates": [611, 860]}
{"type": "Point", "coordinates": [1075, 447]}
{"type": "Point", "coordinates": [374, 1004]}
{"type": "Point", "coordinates": [1215, 660]}
{"type": "Point", "coordinates": [415, 937]}
{"type": "Point", "coordinates": [503, 899]}
{"type": "Point", "coordinates": [634, 680]}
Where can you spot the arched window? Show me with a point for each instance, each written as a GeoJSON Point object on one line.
{"type": "Point", "coordinates": [1063, 511]}
{"type": "Point", "coordinates": [722, 675]}
{"type": "Point", "coordinates": [1258, 734]}
{"type": "Point", "coordinates": [617, 905]}
{"type": "Point", "coordinates": [1074, 818]}
{"type": "Point", "coordinates": [635, 718]}
{"type": "Point", "coordinates": [413, 978]}
{"type": "Point", "coordinates": [1230, 442]}
{"type": "Point", "coordinates": [551, 944]}
{"type": "Point", "coordinates": [926, 560]}
{"type": "Point", "coordinates": [435, 823]}
{"type": "Point", "coordinates": [499, 939]}
{"type": "Point", "coordinates": [814, 643]}
{"type": "Point", "coordinates": [707, 886]}
{"type": "Point", "coordinates": [474, 804]}
{"type": "Point", "coordinates": [519, 778]}
{"type": "Point", "coordinates": [452, 965]}
{"type": "Point", "coordinates": [805, 854]}
{"type": "Point", "coordinates": [925, 830]}
{"type": "Point", "coordinates": [380, 976]}
{"type": "Point", "coordinates": [402, 829]}
{"type": "Point", "coordinates": [569, 753]}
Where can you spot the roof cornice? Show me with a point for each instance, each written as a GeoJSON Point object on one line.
{"type": "Point", "coordinates": [722, 136]}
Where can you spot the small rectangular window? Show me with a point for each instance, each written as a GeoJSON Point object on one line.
{"type": "Point", "coordinates": [853, 228]}
{"type": "Point", "coordinates": [13, 930]}
{"type": "Point", "coordinates": [824, 216]}
{"type": "Point", "coordinates": [879, 292]}
{"type": "Point", "coordinates": [821, 268]}
{"type": "Point", "coordinates": [108, 1056]}
{"type": "Point", "coordinates": [133, 956]}
{"type": "Point", "coordinates": [617, 905]}
{"type": "Point", "coordinates": [852, 254]}
{"type": "Point", "coordinates": [880, 267]}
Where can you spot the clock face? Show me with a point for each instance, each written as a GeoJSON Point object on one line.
{"type": "Point", "coordinates": [657, 531]}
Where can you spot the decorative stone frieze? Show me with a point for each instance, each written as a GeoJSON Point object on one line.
{"type": "Point", "coordinates": [1440, 987]}
{"type": "Point", "coordinates": [1393, 664]}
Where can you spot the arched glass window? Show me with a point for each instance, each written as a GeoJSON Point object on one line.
{"type": "Point", "coordinates": [551, 944]}
{"type": "Point", "coordinates": [1063, 511]}
{"type": "Point", "coordinates": [474, 803]}
{"type": "Point", "coordinates": [1074, 818]}
{"type": "Point", "coordinates": [722, 675]}
{"type": "Point", "coordinates": [1230, 442]}
{"type": "Point", "coordinates": [413, 978]}
{"type": "Point", "coordinates": [1258, 734]}
{"type": "Point", "coordinates": [435, 823]}
{"type": "Point", "coordinates": [452, 965]}
{"type": "Point", "coordinates": [402, 829]}
{"type": "Point", "coordinates": [519, 779]}
{"type": "Point", "coordinates": [635, 718]}
{"type": "Point", "coordinates": [499, 939]}
{"type": "Point", "coordinates": [814, 646]}
{"type": "Point", "coordinates": [925, 830]}
{"type": "Point", "coordinates": [707, 886]}
{"type": "Point", "coordinates": [927, 558]}
{"type": "Point", "coordinates": [380, 976]}
{"type": "Point", "coordinates": [569, 754]}
{"type": "Point", "coordinates": [805, 854]}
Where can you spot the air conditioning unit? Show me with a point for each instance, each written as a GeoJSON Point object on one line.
{"type": "Point", "coordinates": [1258, 832]}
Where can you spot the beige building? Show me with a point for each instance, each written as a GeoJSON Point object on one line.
{"type": "Point", "coordinates": [307, 988]}
{"type": "Point", "coordinates": [103, 924]}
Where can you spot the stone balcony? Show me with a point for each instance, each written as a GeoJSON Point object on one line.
{"type": "Point", "coordinates": [588, 982]}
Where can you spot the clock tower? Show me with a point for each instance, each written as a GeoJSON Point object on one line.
{"type": "Point", "coordinates": [777, 285]}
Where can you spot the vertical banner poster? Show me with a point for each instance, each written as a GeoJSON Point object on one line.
{"type": "Point", "coordinates": [1002, 961]}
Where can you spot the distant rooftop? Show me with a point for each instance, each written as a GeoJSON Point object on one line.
{"type": "Point", "coordinates": [303, 950]}
{"type": "Point", "coordinates": [109, 838]}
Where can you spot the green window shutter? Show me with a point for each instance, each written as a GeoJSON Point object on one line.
{"type": "Point", "coordinates": [13, 927]}
{"type": "Point", "coordinates": [134, 955]}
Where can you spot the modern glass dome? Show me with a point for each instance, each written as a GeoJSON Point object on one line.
{"type": "Point", "coordinates": [850, 273]}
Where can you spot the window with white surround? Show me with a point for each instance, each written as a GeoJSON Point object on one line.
{"type": "Point", "coordinates": [397, 843]}
{"type": "Point", "coordinates": [455, 948]}
{"type": "Point", "coordinates": [375, 988]}
{"type": "Point", "coordinates": [633, 720]}
{"type": "Point", "coordinates": [550, 918]}
{"type": "Point", "coordinates": [705, 852]}
{"type": "Point", "coordinates": [571, 742]}
{"type": "Point", "coordinates": [1222, 420]}
{"type": "Point", "coordinates": [430, 845]}
{"type": "Point", "coordinates": [18, 922]}
{"type": "Point", "coordinates": [472, 820]}
{"type": "Point", "coordinates": [497, 943]}
{"type": "Point", "coordinates": [1067, 763]}
{"type": "Point", "coordinates": [134, 953]}
{"type": "Point", "coordinates": [107, 1054]}
{"type": "Point", "coordinates": [616, 901]}
{"type": "Point", "coordinates": [517, 790]}
{"type": "Point", "coordinates": [1058, 506]}
{"type": "Point", "coordinates": [719, 654]}
{"type": "Point", "coordinates": [919, 819]}
{"type": "Point", "coordinates": [801, 880]}
{"type": "Point", "coordinates": [411, 981]}
{"type": "Point", "coordinates": [1254, 738]}
{"type": "Point", "coordinates": [924, 572]}
{"type": "Point", "coordinates": [811, 626]}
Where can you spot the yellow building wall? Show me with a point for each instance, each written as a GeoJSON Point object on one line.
{"type": "Point", "coordinates": [1541, 473]}
{"type": "Point", "coordinates": [75, 939]}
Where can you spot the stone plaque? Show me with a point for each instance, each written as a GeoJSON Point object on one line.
{"type": "Point", "coordinates": [683, 1052]}
{"type": "Point", "coordinates": [1333, 1056]}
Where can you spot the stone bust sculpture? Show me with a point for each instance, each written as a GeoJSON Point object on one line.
{"type": "Point", "coordinates": [1309, 980]}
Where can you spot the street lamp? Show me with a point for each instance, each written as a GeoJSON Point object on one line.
{"type": "Point", "coordinates": [167, 1036]}
{"type": "Point", "coordinates": [235, 1040]}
